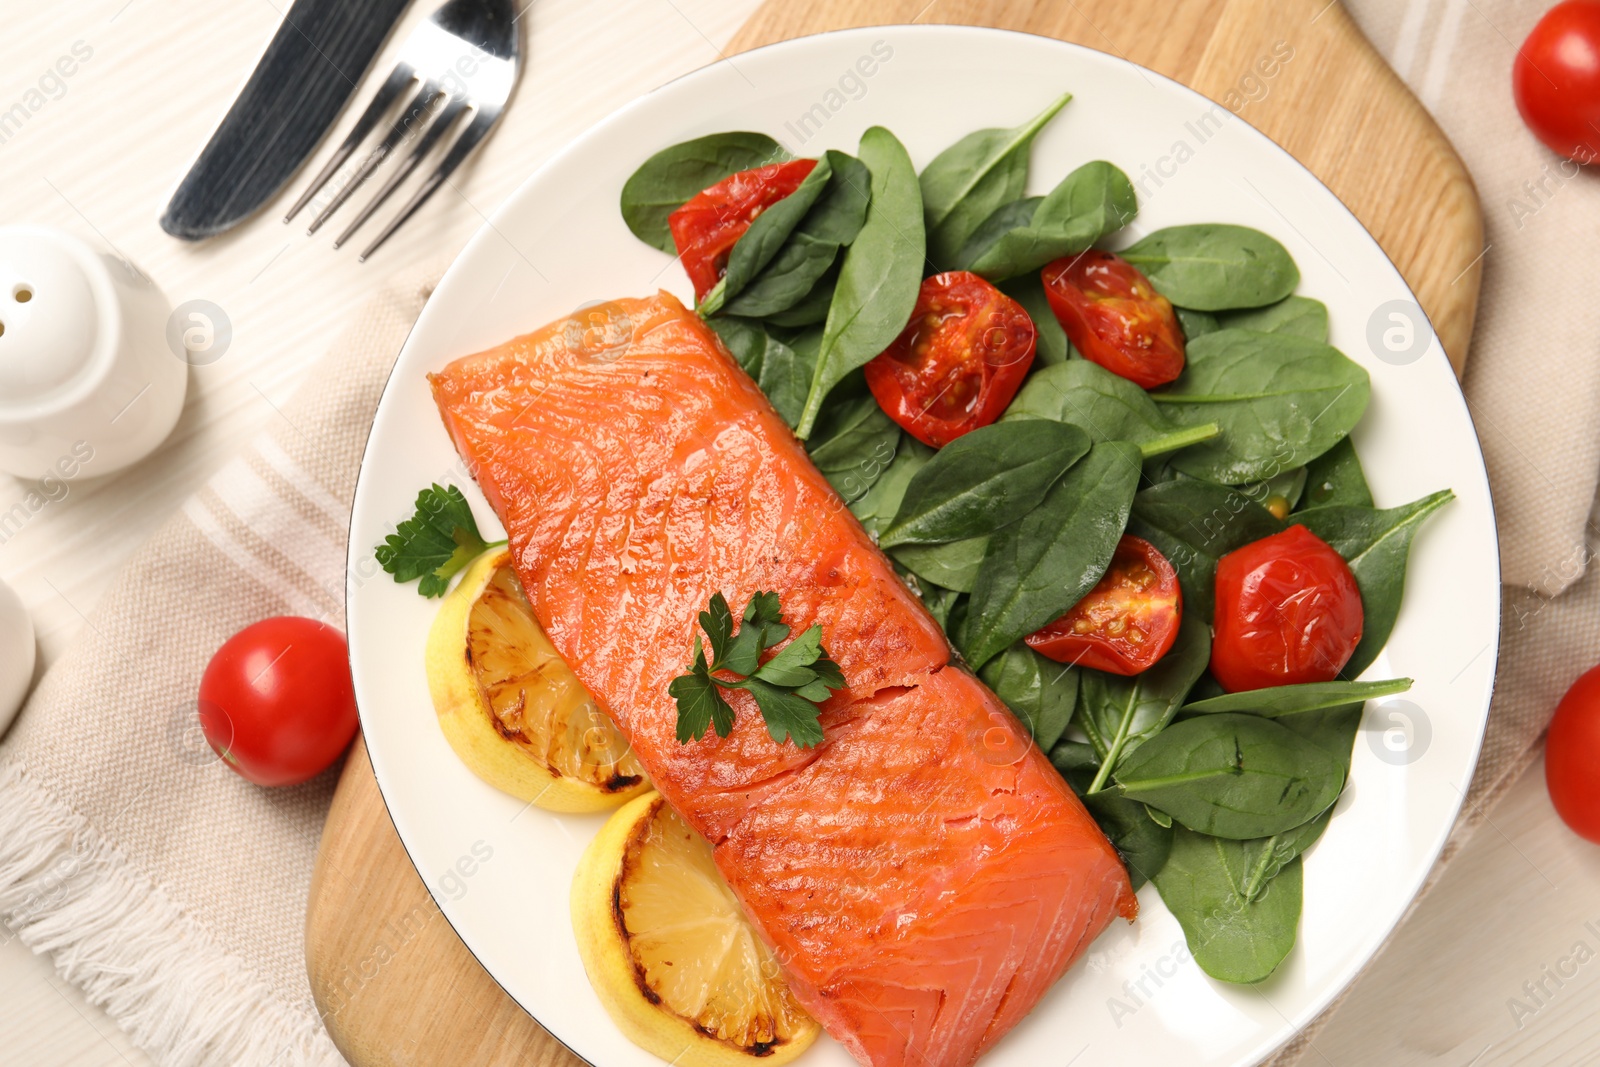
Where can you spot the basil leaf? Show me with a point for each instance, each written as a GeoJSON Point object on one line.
{"type": "Point", "coordinates": [1215, 267]}
{"type": "Point", "coordinates": [1095, 200]}
{"type": "Point", "coordinates": [1142, 842]}
{"type": "Point", "coordinates": [984, 480]}
{"type": "Point", "coordinates": [1234, 776]}
{"type": "Point", "coordinates": [1040, 566]}
{"type": "Point", "coordinates": [1252, 865]}
{"type": "Point", "coordinates": [876, 508]}
{"type": "Point", "coordinates": [1195, 524]}
{"type": "Point", "coordinates": [880, 275]}
{"type": "Point", "coordinates": [765, 237]}
{"type": "Point", "coordinates": [1105, 405]}
{"type": "Point", "coordinates": [1281, 401]}
{"type": "Point", "coordinates": [1297, 315]}
{"type": "Point", "coordinates": [1196, 323]}
{"type": "Point", "coordinates": [1336, 478]}
{"type": "Point", "coordinates": [1118, 714]}
{"type": "Point", "coordinates": [674, 175]}
{"type": "Point", "coordinates": [953, 565]}
{"type": "Point", "coordinates": [854, 444]}
{"type": "Point", "coordinates": [1231, 938]}
{"type": "Point", "coordinates": [1041, 692]}
{"type": "Point", "coordinates": [1280, 700]}
{"type": "Point", "coordinates": [1377, 545]}
{"type": "Point", "coordinates": [965, 183]}
{"type": "Point", "coordinates": [1052, 346]}
{"type": "Point", "coordinates": [783, 373]}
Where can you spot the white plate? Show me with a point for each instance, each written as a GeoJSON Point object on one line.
{"type": "Point", "coordinates": [501, 873]}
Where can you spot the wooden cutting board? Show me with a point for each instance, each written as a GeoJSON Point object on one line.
{"type": "Point", "coordinates": [394, 983]}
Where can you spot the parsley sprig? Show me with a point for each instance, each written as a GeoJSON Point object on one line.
{"type": "Point", "coordinates": [435, 543]}
{"type": "Point", "coordinates": [787, 688]}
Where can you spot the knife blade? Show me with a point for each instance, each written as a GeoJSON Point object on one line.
{"type": "Point", "coordinates": [307, 75]}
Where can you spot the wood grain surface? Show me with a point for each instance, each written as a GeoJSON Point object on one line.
{"type": "Point", "coordinates": [1337, 107]}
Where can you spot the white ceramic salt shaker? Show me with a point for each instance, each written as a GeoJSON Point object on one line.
{"type": "Point", "coordinates": [16, 654]}
{"type": "Point", "coordinates": [84, 360]}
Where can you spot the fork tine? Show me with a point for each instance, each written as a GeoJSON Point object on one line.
{"type": "Point", "coordinates": [398, 79]}
{"type": "Point", "coordinates": [415, 111]}
{"type": "Point", "coordinates": [438, 129]}
{"type": "Point", "coordinates": [482, 122]}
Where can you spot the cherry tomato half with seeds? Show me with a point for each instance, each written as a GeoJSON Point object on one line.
{"type": "Point", "coordinates": [1288, 611]}
{"type": "Point", "coordinates": [706, 228]}
{"type": "Point", "coordinates": [1556, 80]}
{"type": "Point", "coordinates": [1114, 317]}
{"type": "Point", "coordinates": [1126, 622]}
{"type": "Point", "coordinates": [276, 701]}
{"type": "Point", "coordinates": [958, 362]}
{"type": "Point", "coordinates": [1572, 757]}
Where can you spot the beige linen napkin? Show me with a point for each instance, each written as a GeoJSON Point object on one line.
{"type": "Point", "coordinates": [167, 887]}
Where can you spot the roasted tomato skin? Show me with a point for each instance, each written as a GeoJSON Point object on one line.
{"type": "Point", "coordinates": [1556, 80]}
{"type": "Point", "coordinates": [959, 361]}
{"type": "Point", "coordinates": [1114, 317]}
{"type": "Point", "coordinates": [707, 227]}
{"type": "Point", "coordinates": [1127, 622]}
{"type": "Point", "coordinates": [1572, 757]}
{"type": "Point", "coordinates": [1288, 611]}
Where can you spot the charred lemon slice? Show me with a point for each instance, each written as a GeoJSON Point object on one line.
{"type": "Point", "coordinates": [670, 953]}
{"type": "Point", "coordinates": [511, 707]}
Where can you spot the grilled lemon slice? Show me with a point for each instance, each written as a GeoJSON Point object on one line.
{"type": "Point", "coordinates": [511, 707]}
{"type": "Point", "coordinates": [670, 953]}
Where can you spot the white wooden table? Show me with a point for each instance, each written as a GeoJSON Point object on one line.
{"type": "Point", "coordinates": [104, 148]}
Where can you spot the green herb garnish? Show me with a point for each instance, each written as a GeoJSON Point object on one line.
{"type": "Point", "coordinates": [787, 688]}
{"type": "Point", "coordinates": [435, 543]}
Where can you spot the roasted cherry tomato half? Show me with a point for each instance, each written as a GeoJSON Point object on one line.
{"type": "Point", "coordinates": [276, 701]}
{"type": "Point", "coordinates": [707, 227]}
{"type": "Point", "coordinates": [1572, 757]}
{"type": "Point", "coordinates": [1556, 80]}
{"type": "Point", "coordinates": [1288, 611]}
{"type": "Point", "coordinates": [1114, 317]}
{"type": "Point", "coordinates": [1126, 622]}
{"type": "Point", "coordinates": [958, 362]}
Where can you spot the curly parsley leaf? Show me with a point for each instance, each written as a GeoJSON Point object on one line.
{"type": "Point", "coordinates": [787, 688]}
{"type": "Point", "coordinates": [435, 543]}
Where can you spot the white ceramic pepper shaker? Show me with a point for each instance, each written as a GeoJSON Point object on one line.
{"type": "Point", "coordinates": [17, 652]}
{"type": "Point", "coordinates": [84, 360]}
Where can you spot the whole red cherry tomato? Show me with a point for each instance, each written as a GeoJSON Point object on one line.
{"type": "Point", "coordinates": [1572, 757]}
{"type": "Point", "coordinates": [707, 227]}
{"type": "Point", "coordinates": [1288, 611]}
{"type": "Point", "coordinates": [276, 700]}
{"type": "Point", "coordinates": [1114, 317]}
{"type": "Point", "coordinates": [959, 361]}
{"type": "Point", "coordinates": [1126, 622]}
{"type": "Point", "coordinates": [1556, 79]}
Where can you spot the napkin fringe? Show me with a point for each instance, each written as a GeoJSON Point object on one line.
{"type": "Point", "coordinates": [166, 981]}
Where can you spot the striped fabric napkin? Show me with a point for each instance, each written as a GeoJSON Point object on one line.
{"type": "Point", "coordinates": [166, 886]}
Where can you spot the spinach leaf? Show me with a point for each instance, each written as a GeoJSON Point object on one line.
{"type": "Point", "coordinates": [783, 373]}
{"type": "Point", "coordinates": [1281, 401]}
{"type": "Point", "coordinates": [1095, 200]}
{"type": "Point", "coordinates": [1195, 524]}
{"type": "Point", "coordinates": [1333, 730]}
{"type": "Point", "coordinates": [1230, 937]}
{"type": "Point", "coordinates": [1142, 842]}
{"type": "Point", "coordinates": [1280, 700]}
{"type": "Point", "coordinates": [880, 275]}
{"type": "Point", "coordinates": [811, 250]}
{"type": "Point", "coordinates": [811, 309]}
{"type": "Point", "coordinates": [1119, 714]}
{"type": "Point", "coordinates": [1234, 776]}
{"type": "Point", "coordinates": [766, 236]}
{"type": "Point", "coordinates": [673, 175]}
{"type": "Point", "coordinates": [1052, 347]}
{"type": "Point", "coordinates": [1215, 267]}
{"type": "Point", "coordinates": [1376, 544]}
{"type": "Point", "coordinates": [877, 506]}
{"type": "Point", "coordinates": [965, 183]}
{"type": "Point", "coordinates": [1289, 485]}
{"type": "Point", "coordinates": [1106, 405]}
{"type": "Point", "coordinates": [1042, 692]}
{"type": "Point", "coordinates": [1196, 323]}
{"type": "Point", "coordinates": [1072, 757]}
{"type": "Point", "coordinates": [942, 604]}
{"type": "Point", "coordinates": [854, 444]}
{"type": "Point", "coordinates": [953, 565]}
{"type": "Point", "coordinates": [1336, 478]}
{"type": "Point", "coordinates": [984, 480]}
{"type": "Point", "coordinates": [1041, 565]}
{"type": "Point", "coordinates": [1252, 865]}
{"type": "Point", "coordinates": [1298, 315]}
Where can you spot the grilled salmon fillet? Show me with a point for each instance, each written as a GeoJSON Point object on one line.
{"type": "Point", "coordinates": [924, 874]}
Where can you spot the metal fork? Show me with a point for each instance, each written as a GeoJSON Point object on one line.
{"type": "Point", "coordinates": [466, 58]}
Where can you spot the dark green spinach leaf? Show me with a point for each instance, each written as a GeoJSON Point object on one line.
{"type": "Point", "coordinates": [1105, 405]}
{"type": "Point", "coordinates": [1215, 267]}
{"type": "Point", "coordinates": [1252, 865]}
{"type": "Point", "coordinates": [1052, 347]}
{"type": "Point", "coordinates": [673, 175]}
{"type": "Point", "coordinates": [1196, 323]}
{"type": "Point", "coordinates": [876, 507]}
{"type": "Point", "coordinates": [782, 372]}
{"type": "Point", "coordinates": [1195, 524]}
{"type": "Point", "coordinates": [765, 237]}
{"type": "Point", "coordinates": [854, 444]}
{"type": "Point", "coordinates": [1095, 200]}
{"type": "Point", "coordinates": [1142, 842]}
{"type": "Point", "coordinates": [1042, 692]}
{"type": "Point", "coordinates": [953, 565]}
{"type": "Point", "coordinates": [1336, 478]}
{"type": "Point", "coordinates": [1298, 315]}
{"type": "Point", "coordinates": [1118, 714]}
{"type": "Point", "coordinates": [1281, 700]}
